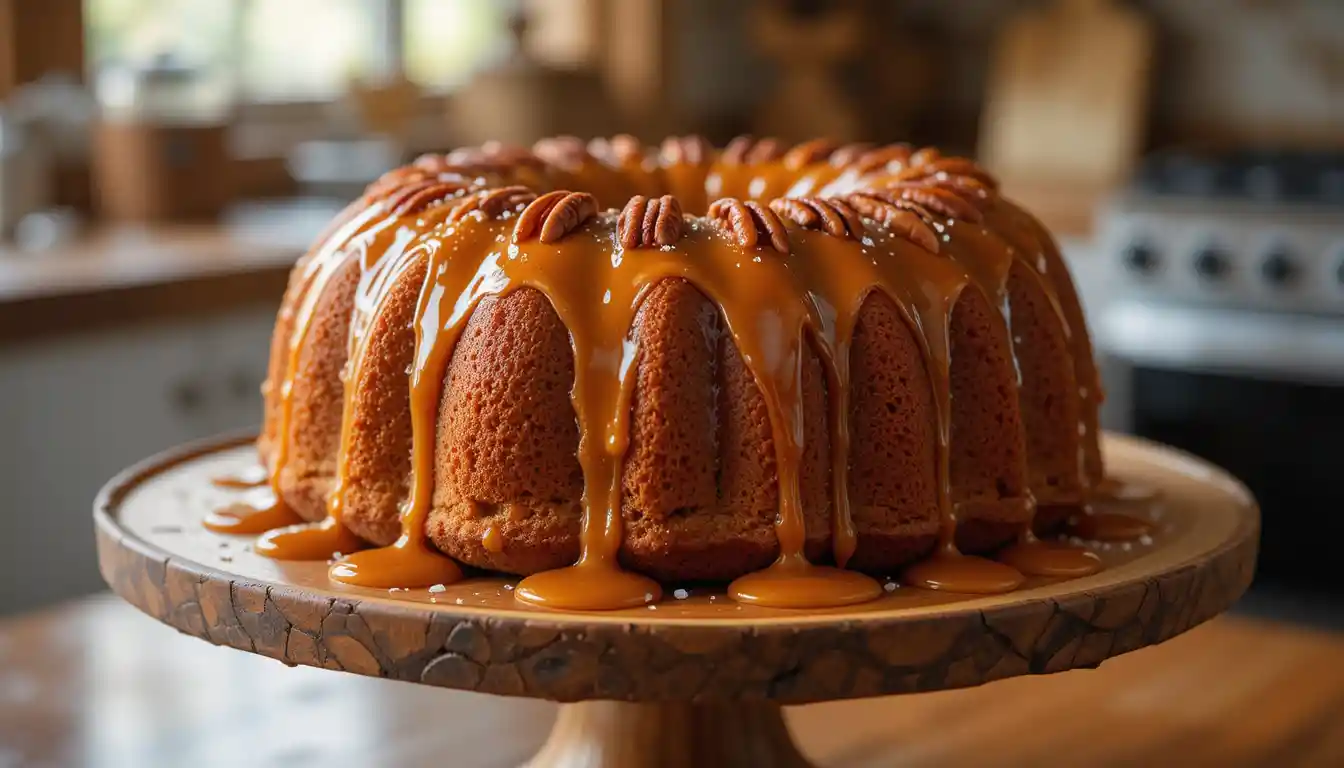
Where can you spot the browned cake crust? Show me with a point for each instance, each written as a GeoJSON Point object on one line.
{"type": "Point", "coordinates": [699, 486]}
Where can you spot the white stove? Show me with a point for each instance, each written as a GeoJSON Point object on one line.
{"type": "Point", "coordinates": [1216, 289]}
{"type": "Point", "coordinates": [1228, 263]}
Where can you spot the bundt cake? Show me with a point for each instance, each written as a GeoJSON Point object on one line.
{"type": "Point", "coordinates": [784, 366]}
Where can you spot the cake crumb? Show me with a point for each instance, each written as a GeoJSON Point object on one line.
{"type": "Point", "coordinates": [459, 601]}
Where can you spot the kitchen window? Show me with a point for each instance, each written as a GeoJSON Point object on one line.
{"type": "Point", "coordinates": [276, 51]}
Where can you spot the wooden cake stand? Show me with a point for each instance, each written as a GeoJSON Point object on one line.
{"type": "Point", "coordinates": [695, 680]}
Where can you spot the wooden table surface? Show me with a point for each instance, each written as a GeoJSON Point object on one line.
{"type": "Point", "coordinates": [96, 683]}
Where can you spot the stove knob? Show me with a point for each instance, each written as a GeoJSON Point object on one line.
{"type": "Point", "coordinates": [1211, 264]}
{"type": "Point", "coordinates": [1140, 259]}
{"type": "Point", "coordinates": [1278, 268]}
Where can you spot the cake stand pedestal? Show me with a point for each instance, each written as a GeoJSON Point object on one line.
{"type": "Point", "coordinates": [696, 681]}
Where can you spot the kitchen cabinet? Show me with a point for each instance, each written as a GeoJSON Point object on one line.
{"type": "Point", "coordinates": [77, 408]}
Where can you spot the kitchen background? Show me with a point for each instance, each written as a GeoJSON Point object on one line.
{"type": "Point", "coordinates": [163, 162]}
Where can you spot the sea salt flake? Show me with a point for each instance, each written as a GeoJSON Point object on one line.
{"type": "Point", "coordinates": [680, 594]}
{"type": "Point", "coordinates": [438, 588]}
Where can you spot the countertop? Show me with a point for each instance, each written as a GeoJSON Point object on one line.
{"type": "Point", "coordinates": [120, 273]}
{"type": "Point", "coordinates": [96, 683]}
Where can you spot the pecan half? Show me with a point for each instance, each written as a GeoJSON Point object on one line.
{"type": "Point", "coordinates": [563, 151]}
{"type": "Point", "coordinates": [494, 203]}
{"type": "Point", "coordinates": [876, 159]}
{"type": "Point", "coordinates": [420, 197]}
{"type": "Point", "coordinates": [619, 150]}
{"type": "Point", "coordinates": [925, 156]}
{"type": "Point", "coordinates": [649, 223]}
{"type": "Point", "coordinates": [964, 171]}
{"type": "Point", "coordinates": [509, 154]}
{"type": "Point", "coordinates": [688, 150]}
{"type": "Point", "coordinates": [807, 153]}
{"type": "Point", "coordinates": [901, 217]}
{"type": "Point", "coordinates": [828, 214]}
{"type": "Point", "coordinates": [939, 199]}
{"type": "Point", "coordinates": [394, 180]}
{"type": "Point", "coordinates": [748, 150]}
{"type": "Point", "coordinates": [554, 215]}
{"type": "Point", "coordinates": [469, 160]}
{"type": "Point", "coordinates": [849, 153]}
{"type": "Point", "coordinates": [751, 223]}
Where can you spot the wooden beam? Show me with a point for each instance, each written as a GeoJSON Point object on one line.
{"type": "Point", "coordinates": [40, 37]}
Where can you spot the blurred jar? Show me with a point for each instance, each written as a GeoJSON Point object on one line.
{"type": "Point", "coordinates": [25, 171]}
{"type": "Point", "coordinates": [161, 150]}
{"type": "Point", "coordinates": [164, 91]}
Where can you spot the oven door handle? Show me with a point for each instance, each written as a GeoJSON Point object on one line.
{"type": "Point", "coordinates": [1256, 344]}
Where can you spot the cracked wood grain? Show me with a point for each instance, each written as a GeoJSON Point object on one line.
{"type": "Point", "coordinates": [566, 659]}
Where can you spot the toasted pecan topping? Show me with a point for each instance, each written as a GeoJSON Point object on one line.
{"type": "Point", "coordinates": [830, 215]}
{"type": "Point", "coordinates": [553, 215]}
{"type": "Point", "coordinates": [751, 223]}
{"type": "Point", "coordinates": [494, 203]}
{"type": "Point", "coordinates": [748, 150]}
{"type": "Point", "coordinates": [649, 222]}
{"type": "Point", "coordinates": [876, 159]}
{"type": "Point", "coordinates": [959, 169]}
{"type": "Point", "coordinates": [688, 150]}
{"type": "Point", "coordinates": [925, 156]}
{"type": "Point", "coordinates": [510, 154]}
{"type": "Point", "coordinates": [564, 151]}
{"type": "Point", "coordinates": [899, 216]}
{"type": "Point", "coordinates": [969, 187]}
{"type": "Point", "coordinates": [849, 153]}
{"type": "Point", "coordinates": [807, 153]}
{"type": "Point", "coordinates": [621, 149]}
{"type": "Point", "coordinates": [951, 203]}
{"type": "Point", "coordinates": [420, 197]}
{"type": "Point", "coordinates": [395, 179]}
{"type": "Point", "coordinates": [458, 158]}
{"type": "Point", "coordinates": [468, 161]}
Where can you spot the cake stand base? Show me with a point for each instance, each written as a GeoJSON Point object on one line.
{"type": "Point", "coordinates": [607, 734]}
{"type": "Point", "coordinates": [696, 680]}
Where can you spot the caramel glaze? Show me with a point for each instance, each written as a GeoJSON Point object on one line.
{"type": "Point", "coordinates": [785, 287]}
{"type": "Point", "coordinates": [1092, 525]}
{"type": "Point", "coordinates": [246, 519]}
{"type": "Point", "coordinates": [377, 238]}
{"type": "Point", "coordinates": [252, 477]}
